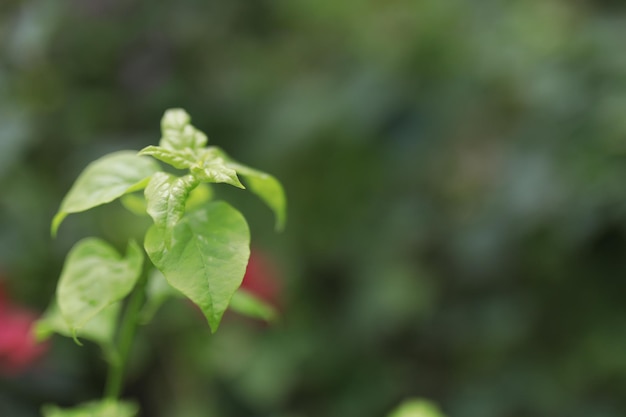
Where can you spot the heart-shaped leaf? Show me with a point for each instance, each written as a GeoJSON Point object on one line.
{"type": "Point", "coordinates": [95, 276]}
{"type": "Point", "coordinates": [207, 258]}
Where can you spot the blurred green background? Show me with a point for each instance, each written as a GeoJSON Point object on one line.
{"type": "Point", "coordinates": [456, 181]}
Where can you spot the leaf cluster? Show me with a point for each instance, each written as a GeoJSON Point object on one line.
{"type": "Point", "coordinates": [198, 247]}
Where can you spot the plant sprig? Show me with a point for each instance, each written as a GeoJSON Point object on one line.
{"type": "Point", "coordinates": [200, 246]}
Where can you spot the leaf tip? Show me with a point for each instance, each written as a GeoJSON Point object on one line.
{"type": "Point", "coordinates": [280, 223]}
{"type": "Point", "coordinates": [214, 320]}
{"type": "Point", "coordinates": [56, 222]}
{"type": "Point", "coordinates": [75, 337]}
{"type": "Point", "coordinates": [175, 118]}
{"type": "Point", "coordinates": [145, 151]}
{"type": "Point", "coordinates": [214, 327]}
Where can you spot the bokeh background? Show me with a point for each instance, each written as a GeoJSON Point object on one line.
{"type": "Point", "coordinates": [457, 198]}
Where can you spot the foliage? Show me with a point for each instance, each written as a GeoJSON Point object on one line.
{"type": "Point", "coordinates": [416, 408]}
{"type": "Point", "coordinates": [202, 251]}
{"type": "Point", "coordinates": [105, 408]}
{"type": "Point", "coordinates": [455, 174]}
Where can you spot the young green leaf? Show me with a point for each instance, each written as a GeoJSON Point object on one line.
{"type": "Point", "coordinates": [179, 159]}
{"type": "Point", "coordinates": [211, 167]}
{"type": "Point", "coordinates": [174, 119]}
{"type": "Point", "coordinates": [265, 186]}
{"type": "Point", "coordinates": [103, 181]}
{"type": "Point", "coordinates": [95, 276]}
{"type": "Point", "coordinates": [207, 258]}
{"type": "Point", "coordinates": [178, 133]}
{"type": "Point", "coordinates": [166, 196]}
{"type": "Point", "coordinates": [248, 305]}
{"type": "Point", "coordinates": [104, 408]}
{"type": "Point", "coordinates": [100, 329]}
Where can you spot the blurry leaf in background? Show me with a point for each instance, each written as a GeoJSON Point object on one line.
{"type": "Point", "coordinates": [249, 305]}
{"type": "Point", "coordinates": [416, 408]}
{"type": "Point", "coordinates": [100, 329]}
{"type": "Point", "coordinates": [104, 408]}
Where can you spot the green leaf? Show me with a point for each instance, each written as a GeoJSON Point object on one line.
{"type": "Point", "coordinates": [166, 196]}
{"type": "Point", "coordinates": [95, 276]}
{"type": "Point", "coordinates": [178, 133]}
{"type": "Point", "coordinates": [416, 408]}
{"type": "Point", "coordinates": [248, 305]}
{"type": "Point", "coordinates": [207, 258]}
{"type": "Point", "coordinates": [175, 119]}
{"type": "Point", "coordinates": [264, 186]}
{"type": "Point", "coordinates": [104, 408]}
{"type": "Point", "coordinates": [100, 329]}
{"type": "Point", "coordinates": [179, 159]}
{"type": "Point", "coordinates": [212, 167]}
{"type": "Point", "coordinates": [103, 181]}
{"type": "Point", "coordinates": [268, 189]}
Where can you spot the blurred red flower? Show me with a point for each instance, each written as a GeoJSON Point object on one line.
{"type": "Point", "coordinates": [18, 347]}
{"type": "Point", "coordinates": [262, 278]}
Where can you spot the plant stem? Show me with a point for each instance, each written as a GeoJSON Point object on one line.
{"type": "Point", "coordinates": [128, 327]}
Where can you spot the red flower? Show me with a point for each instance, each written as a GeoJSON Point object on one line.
{"type": "Point", "coordinates": [18, 347]}
{"type": "Point", "coordinates": [262, 278]}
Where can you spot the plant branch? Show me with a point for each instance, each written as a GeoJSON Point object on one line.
{"type": "Point", "coordinates": [126, 336]}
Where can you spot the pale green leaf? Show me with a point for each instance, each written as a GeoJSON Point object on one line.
{"type": "Point", "coordinates": [416, 408]}
{"type": "Point", "coordinates": [104, 408]}
{"type": "Point", "coordinates": [179, 159]}
{"type": "Point", "coordinates": [178, 133]}
{"type": "Point", "coordinates": [95, 276]}
{"type": "Point", "coordinates": [175, 119]}
{"type": "Point", "coordinates": [166, 197]}
{"type": "Point", "coordinates": [105, 180]}
{"type": "Point", "coordinates": [207, 258]}
{"type": "Point", "coordinates": [212, 167]}
{"type": "Point", "coordinates": [263, 185]}
{"type": "Point", "coordinates": [248, 305]}
{"type": "Point", "coordinates": [100, 329]}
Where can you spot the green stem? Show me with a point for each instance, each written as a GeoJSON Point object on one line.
{"type": "Point", "coordinates": [128, 328]}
